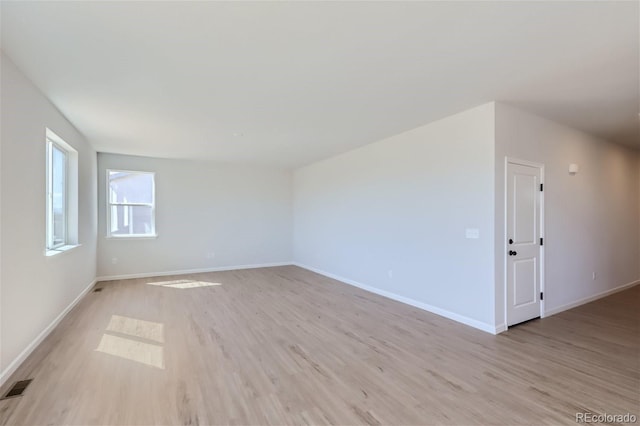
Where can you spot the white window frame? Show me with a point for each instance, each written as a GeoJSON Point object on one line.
{"type": "Point", "coordinates": [109, 205]}
{"type": "Point", "coordinates": [50, 245]}
{"type": "Point", "coordinates": [70, 203]}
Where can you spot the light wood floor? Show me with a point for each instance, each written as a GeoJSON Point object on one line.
{"type": "Point", "coordinates": [286, 346]}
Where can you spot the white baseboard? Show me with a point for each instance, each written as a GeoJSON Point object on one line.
{"type": "Point", "coordinates": [11, 368]}
{"type": "Point", "coordinates": [426, 307]}
{"type": "Point", "coordinates": [500, 328]}
{"type": "Point", "coordinates": [190, 271]}
{"type": "Point", "coordinates": [590, 298]}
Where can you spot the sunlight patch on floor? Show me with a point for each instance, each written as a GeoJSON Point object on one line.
{"type": "Point", "coordinates": [133, 350]}
{"type": "Point", "coordinates": [142, 329]}
{"type": "Point", "coordinates": [182, 284]}
{"type": "Point", "coordinates": [135, 340]}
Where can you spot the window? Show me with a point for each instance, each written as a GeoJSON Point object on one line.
{"type": "Point", "coordinates": [57, 212]}
{"type": "Point", "coordinates": [131, 204]}
{"type": "Point", "coordinates": [61, 195]}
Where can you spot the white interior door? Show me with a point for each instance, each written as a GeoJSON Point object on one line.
{"type": "Point", "coordinates": [523, 242]}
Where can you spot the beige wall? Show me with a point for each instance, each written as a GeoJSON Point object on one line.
{"type": "Point", "coordinates": [35, 289]}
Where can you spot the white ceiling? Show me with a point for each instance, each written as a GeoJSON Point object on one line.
{"type": "Point", "coordinates": [288, 83]}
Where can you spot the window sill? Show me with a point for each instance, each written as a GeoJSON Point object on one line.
{"type": "Point", "coordinates": [60, 250]}
{"type": "Point", "coordinates": [132, 237]}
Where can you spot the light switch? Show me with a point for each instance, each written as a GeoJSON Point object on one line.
{"type": "Point", "coordinates": [472, 233]}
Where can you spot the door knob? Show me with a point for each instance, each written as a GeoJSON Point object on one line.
{"type": "Point", "coordinates": [510, 241]}
{"type": "Point", "coordinates": [512, 253]}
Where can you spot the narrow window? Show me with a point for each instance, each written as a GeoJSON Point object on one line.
{"type": "Point", "coordinates": [57, 206]}
{"type": "Point", "coordinates": [131, 204]}
{"type": "Point", "coordinates": [61, 195]}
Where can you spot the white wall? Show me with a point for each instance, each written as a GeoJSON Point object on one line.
{"type": "Point", "coordinates": [34, 289]}
{"type": "Point", "coordinates": [591, 219]}
{"type": "Point", "coordinates": [403, 204]}
{"type": "Point", "coordinates": [242, 214]}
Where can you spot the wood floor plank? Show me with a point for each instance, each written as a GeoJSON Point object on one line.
{"type": "Point", "coordinates": [287, 346]}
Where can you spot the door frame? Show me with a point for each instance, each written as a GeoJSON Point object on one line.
{"type": "Point", "coordinates": [540, 166]}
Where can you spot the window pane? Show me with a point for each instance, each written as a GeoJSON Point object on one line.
{"type": "Point", "coordinates": [131, 220]}
{"type": "Point", "coordinates": [125, 187]}
{"type": "Point", "coordinates": [58, 202]}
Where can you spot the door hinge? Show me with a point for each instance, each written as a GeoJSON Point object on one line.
{"type": "Point", "coordinates": [541, 187]}
{"type": "Point", "coordinates": [541, 241]}
{"type": "Point", "coordinates": [541, 296]}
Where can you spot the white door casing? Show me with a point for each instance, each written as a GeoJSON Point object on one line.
{"type": "Point", "coordinates": [524, 239]}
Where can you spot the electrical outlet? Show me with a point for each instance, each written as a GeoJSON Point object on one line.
{"type": "Point", "coordinates": [211, 255]}
{"type": "Point", "coordinates": [114, 260]}
{"type": "Point", "coordinates": [390, 273]}
{"type": "Point", "coordinates": [593, 276]}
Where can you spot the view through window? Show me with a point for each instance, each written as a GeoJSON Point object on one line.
{"type": "Point", "coordinates": [131, 203]}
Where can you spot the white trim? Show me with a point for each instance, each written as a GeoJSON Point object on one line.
{"type": "Point", "coordinates": [510, 160]}
{"type": "Point", "coordinates": [60, 250]}
{"type": "Point", "coordinates": [13, 366]}
{"type": "Point", "coordinates": [420, 305]}
{"type": "Point", "coordinates": [500, 328]}
{"type": "Point", "coordinates": [190, 271]}
{"type": "Point", "coordinates": [590, 298]}
{"type": "Point", "coordinates": [525, 163]}
{"type": "Point", "coordinates": [51, 146]}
